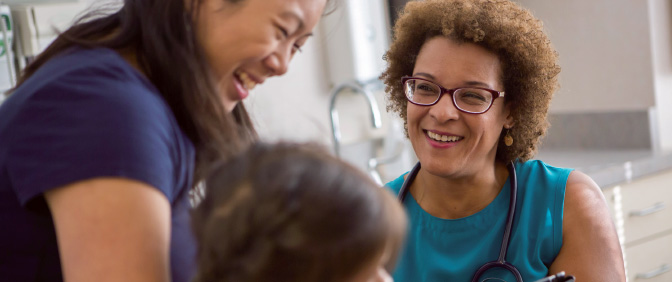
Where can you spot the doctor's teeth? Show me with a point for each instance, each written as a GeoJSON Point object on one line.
{"type": "Point", "coordinates": [247, 82]}
{"type": "Point", "coordinates": [443, 138]}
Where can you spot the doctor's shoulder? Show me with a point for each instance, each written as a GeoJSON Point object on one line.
{"type": "Point", "coordinates": [590, 247]}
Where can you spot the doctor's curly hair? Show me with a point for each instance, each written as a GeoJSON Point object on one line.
{"type": "Point", "coordinates": [529, 62]}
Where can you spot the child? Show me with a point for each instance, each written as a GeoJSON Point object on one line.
{"type": "Point", "coordinates": [290, 212]}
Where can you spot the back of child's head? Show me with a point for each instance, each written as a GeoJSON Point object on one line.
{"type": "Point", "coordinates": [292, 212]}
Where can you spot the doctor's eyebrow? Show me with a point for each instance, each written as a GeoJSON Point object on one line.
{"type": "Point", "coordinates": [467, 83]}
{"type": "Point", "coordinates": [478, 83]}
{"type": "Point", "coordinates": [425, 75]}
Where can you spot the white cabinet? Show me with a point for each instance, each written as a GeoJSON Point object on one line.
{"type": "Point", "coordinates": [39, 23]}
{"type": "Point", "coordinates": [643, 216]}
{"type": "Point", "coordinates": [651, 260]}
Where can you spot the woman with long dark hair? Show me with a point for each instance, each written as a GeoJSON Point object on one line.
{"type": "Point", "coordinates": [111, 127]}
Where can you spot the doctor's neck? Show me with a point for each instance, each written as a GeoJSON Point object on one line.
{"type": "Point", "coordinates": [450, 197]}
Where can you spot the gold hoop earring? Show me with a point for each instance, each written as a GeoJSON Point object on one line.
{"type": "Point", "coordinates": [508, 140]}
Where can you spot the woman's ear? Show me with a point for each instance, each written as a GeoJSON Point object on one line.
{"type": "Point", "coordinates": [509, 122]}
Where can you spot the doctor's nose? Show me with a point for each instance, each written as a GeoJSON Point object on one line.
{"type": "Point", "coordinates": [444, 109]}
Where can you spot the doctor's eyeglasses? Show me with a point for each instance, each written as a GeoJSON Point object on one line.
{"type": "Point", "coordinates": [472, 100]}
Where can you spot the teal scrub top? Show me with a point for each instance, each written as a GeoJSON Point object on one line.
{"type": "Point", "coordinates": [439, 249]}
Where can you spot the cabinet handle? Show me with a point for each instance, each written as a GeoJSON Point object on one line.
{"type": "Point", "coordinates": [647, 211]}
{"type": "Point", "coordinates": [653, 273]}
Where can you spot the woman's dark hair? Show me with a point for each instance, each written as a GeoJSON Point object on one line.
{"type": "Point", "coordinates": [292, 212]}
{"type": "Point", "coordinates": [529, 63]}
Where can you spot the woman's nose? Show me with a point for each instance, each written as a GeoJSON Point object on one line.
{"type": "Point", "coordinates": [278, 61]}
{"type": "Point", "coordinates": [444, 109]}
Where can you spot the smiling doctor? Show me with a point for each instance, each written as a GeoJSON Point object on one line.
{"type": "Point", "coordinates": [112, 125]}
{"type": "Point", "coordinates": [473, 80]}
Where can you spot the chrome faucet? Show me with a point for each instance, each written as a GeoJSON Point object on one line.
{"type": "Point", "coordinates": [373, 163]}
{"type": "Point", "coordinates": [335, 126]}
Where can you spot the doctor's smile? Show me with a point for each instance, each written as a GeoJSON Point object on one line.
{"type": "Point", "coordinates": [442, 140]}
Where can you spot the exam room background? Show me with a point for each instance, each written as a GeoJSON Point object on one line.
{"type": "Point", "coordinates": [615, 99]}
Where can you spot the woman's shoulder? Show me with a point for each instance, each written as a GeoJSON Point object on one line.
{"type": "Point", "coordinates": [105, 60]}
{"type": "Point", "coordinates": [542, 170]}
{"type": "Point", "coordinates": [87, 82]}
{"type": "Point", "coordinates": [99, 72]}
{"type": "Point", "coordinates": [89, 108]}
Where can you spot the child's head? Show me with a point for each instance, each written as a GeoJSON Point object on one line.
{"type": "Point", "coordinates": [290, 212]}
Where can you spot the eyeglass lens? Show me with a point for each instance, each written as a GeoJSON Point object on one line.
{"type": "Point", "coordinates": [471, 100]}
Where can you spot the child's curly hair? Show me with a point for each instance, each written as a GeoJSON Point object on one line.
{"type": "Point", "coordinates": [529, 62]}
{"type": "Point", "coordinates": [292, 212]}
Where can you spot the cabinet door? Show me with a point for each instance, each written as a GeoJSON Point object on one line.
{"type": "Point", "coordinates": [642, 207]}
{"type": "Point", "coordinates": [650, 261]}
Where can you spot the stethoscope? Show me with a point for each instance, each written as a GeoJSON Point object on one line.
{"type": "Point", "coordinates": [500, 262]}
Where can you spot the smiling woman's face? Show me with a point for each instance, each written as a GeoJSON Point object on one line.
{"type": "Point", "coordinates": [251, 40]}
{"type": "Point", "coordinates": [448, 142]}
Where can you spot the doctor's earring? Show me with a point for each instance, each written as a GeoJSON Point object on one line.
{"type": "Point", "coordinates": [508, 140]}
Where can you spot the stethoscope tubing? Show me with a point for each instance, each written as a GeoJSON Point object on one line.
{"type": "Point", "coordinates": [407, 183]}
{"type": "Point", "coordinates": [501, 260]}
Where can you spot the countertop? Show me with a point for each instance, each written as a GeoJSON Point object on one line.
{"type": "Point", "coordinates": [609, 167]}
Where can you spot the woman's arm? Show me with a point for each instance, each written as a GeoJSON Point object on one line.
{"type": "Point", "coordinates": [111, 229]}
{"type": "Point", "coordinates": [590, 249]}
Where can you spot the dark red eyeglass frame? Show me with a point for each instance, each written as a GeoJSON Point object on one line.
{"type": "Point", "coordinates": [495, 94]}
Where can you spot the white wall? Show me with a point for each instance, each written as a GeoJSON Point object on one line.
{"type": "Point", "coordinates": [616, 55]}
{"type": "Point", "coordinates": [661, 41]}
{"type": "Point", "coordinates": [605, 53]}
{"type": "Point", "coordinates": [294, 106]}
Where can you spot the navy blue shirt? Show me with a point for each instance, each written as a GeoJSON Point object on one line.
{"type": "Point", "coordinates": [86, 114]}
